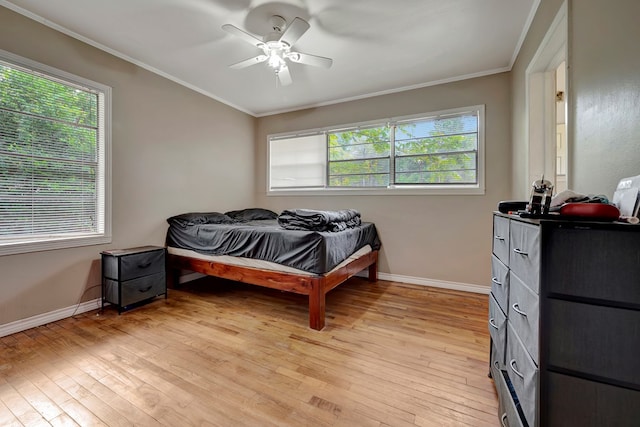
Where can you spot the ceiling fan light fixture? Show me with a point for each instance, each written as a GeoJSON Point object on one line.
{"type": "Point", "coordinates": [276, 47]}
{"type": "Point", "coordinates": [276, 61]}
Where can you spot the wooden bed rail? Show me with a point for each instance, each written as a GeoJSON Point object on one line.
{"type": "Point", "coordinates": [316, 286]}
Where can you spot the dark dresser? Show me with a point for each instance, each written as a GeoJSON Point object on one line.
{"type": "Point", "coordinates": [133, 276]}
{"type": "Point", "coordinates": [564, 319]}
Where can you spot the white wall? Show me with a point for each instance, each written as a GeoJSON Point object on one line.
{"type": "Point", "coordinates": [174, 150]}
{"type": "Point", "coordinates": [445, 238]}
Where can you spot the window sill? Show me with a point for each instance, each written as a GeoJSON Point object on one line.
{"type": "Point", "coordinates": [35, 245]}
{"type": "Point", "coordinates": [443, 190]}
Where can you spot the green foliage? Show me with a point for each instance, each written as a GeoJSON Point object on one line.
{"type": "Point", "coordinates": [359, 158]}
{"type": "Point", "coordinates": [48, 152]}
{"type": "Point", "coordinates": [440, 151]}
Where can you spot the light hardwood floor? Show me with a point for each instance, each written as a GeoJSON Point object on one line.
{"type": "Point", "coordinates": [228, 354]}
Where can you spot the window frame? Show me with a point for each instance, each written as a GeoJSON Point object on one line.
{"type": "Point", "coordinates": [26, 244]}
{"type": "Point", "coordinates": [403, 189]}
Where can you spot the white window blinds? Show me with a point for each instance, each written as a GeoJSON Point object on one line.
{"type": "Point", "coordinates": [298, 162]}
{"type": "Point", "coordinates": [52, 157]}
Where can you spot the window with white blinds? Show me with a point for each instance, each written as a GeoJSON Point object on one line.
{"type": "Point", "coordinates": [53, 158]}
{"type": "Point", "coordinates": [439, 152]}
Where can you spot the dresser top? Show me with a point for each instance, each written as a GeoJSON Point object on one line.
{"type": "Point", "coordinates": [555, 220]}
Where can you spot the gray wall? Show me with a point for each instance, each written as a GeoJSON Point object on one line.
{"type": "Point", "coordinates": [173, 151]}
{"type": "Point", "coordinates": [429, 237]}
{"type": "Point", "coordinates": [605, 90]}
{"type": "Point", "coordinates": [604, 93]}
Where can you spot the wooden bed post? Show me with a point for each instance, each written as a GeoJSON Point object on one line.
{"type": "Point", "coordinates": [316, 304]}
{"type": "Point", "coordinates": [373, 269]}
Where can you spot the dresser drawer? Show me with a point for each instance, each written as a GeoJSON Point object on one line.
{"type": "Point", "coordinates": [497, 328]}
{"type": "Point", "coordinates": [524, 314]}
{"type": "Point", "coordinates": [501, 238]}
{"type": "Point", "coordinates": [588, 403]}
{"type": "Point", "coordinates": [500, 282]}
{"type": "Point", "coordinates": [136, 290]}
{"type": "Point", "coordinates": [613, 269]}
{"type": "Point", "coordinates": [600, 341]}
{"type": "Point", "coordinates": [126, 267]}
{"type": "Point", "coordinates": [524, 257]}
{"type": "Point", "coordinates": [507, 410]}
{"type": "Point", "coordinates": [523, 374]}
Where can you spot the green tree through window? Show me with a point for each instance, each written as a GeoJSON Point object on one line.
{"type": "Point", "coordinates": [51, 173]}
{"type": "Point", "coordinates": [404, 154]}
{"type": "Point", "coordinates": [433, 151]}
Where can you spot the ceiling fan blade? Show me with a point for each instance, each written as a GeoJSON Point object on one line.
{"type": "Point", "coordinates": [248, 62]}
{"type": "Point", "coordinates": [305, 58]}
{"type": "Point", "coordinates": [284, 76]}
{"type": "Point", "coordinates": [249, 38]}
{"type": "Point", "coordinates": [294, 31]}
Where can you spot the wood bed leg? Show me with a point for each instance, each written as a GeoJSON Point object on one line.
{"type": "Point", "coordinates": [316, 305]}
{"type": "Point", "coordinates": [373, 271]}
{"type": "Point", "coordinates": [173, 277]}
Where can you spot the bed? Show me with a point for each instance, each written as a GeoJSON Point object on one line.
{"type": "Point", "coordinates": [253, 246]}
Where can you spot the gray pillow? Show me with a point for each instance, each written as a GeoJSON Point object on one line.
{"type": "Point", "coordinates": [252, 214]}
{"type": "Point", "coordinates": [196, 218]}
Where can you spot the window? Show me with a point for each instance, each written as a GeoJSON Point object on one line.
{"type": "Point", "coordinates": [430, 153]}
{"type": "Point", "coordinates": [54, 147]}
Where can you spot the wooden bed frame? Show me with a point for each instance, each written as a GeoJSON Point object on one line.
{"type": "Point", "coordinates": [315, 286]}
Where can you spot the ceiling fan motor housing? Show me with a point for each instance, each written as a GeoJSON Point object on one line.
{"type": "Point", "coordinates": [278, 23]}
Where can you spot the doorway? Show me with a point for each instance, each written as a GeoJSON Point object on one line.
{"type": "Point", "coordinates": [547, 89]}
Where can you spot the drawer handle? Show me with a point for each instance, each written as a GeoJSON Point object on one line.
{"type": "Point", "coordinates": [498, 238]}
{"type": "Point", "coordinates": [516, 308]}
{"type": "Point", "coordinates": [520, 252]}
{"type": "Point", "coordinates": [495, 280]}
{"type": "Point", "coordinates": [512, 364]}
{"type": "Point", "coordinates": [492, 322]}
{"type": "Point", "coordinates": [145, 265]}
{"type": "Point", "coordinates": [503, 419]}
{"type": "Point", "coordinates": [147, 289]}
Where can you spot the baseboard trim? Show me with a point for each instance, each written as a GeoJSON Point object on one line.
{"type": "Point", "coordinates": [52, 316]}
{"type": "Point", "coordinates": [443, 284]}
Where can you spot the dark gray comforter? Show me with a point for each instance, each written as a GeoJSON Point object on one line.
{"type": "Point", "coordinates": [315, 220]}
{"type": "Point", "coordinates": [312, 251]}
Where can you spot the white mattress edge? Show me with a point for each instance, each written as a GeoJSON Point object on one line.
{"type": "Point", "coordinates": [260, 264]}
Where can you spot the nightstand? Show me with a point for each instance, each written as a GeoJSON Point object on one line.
{"type": "Point", "coordinates": [133, 276]}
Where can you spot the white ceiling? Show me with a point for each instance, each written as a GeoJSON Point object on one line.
{"type": "Point", "coordinates": [377, 46]}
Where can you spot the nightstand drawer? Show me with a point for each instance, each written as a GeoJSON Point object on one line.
{"type": "Point", "coordinates": [524, 257]}
{"type": "Point", "coordinates": [134, 265]}
{"type": "Point", "coordinates": [136, 290]}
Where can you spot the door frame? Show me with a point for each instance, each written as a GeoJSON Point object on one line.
{"type": "Point", "coordinates": [541, 101]}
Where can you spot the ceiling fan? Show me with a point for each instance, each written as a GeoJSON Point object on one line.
{"type": "Point", "coordinates": [276, 47]}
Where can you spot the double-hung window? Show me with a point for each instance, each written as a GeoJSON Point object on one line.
{"type": "Point", "coordinates": [439, 153]}
{"type": "Point", "coordinates": [54, 148]}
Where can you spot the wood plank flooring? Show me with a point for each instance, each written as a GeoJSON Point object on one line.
{"type": "Point", "coordinates": [219, 353]}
